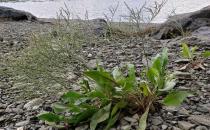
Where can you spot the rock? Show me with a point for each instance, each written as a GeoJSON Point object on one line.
{"type": "Point", "coordinates": [205, 108]}
{"type": "Point", "coordinates": [7, 13]}
{"type": "Point", "coordinates": [201, 119]}
{"type": "Point", "coordinates": [175, 128]}
{"type": "Point", "coordinates": [100, 27]}
{"type": "Point", "coordinates": [185, 125]}
{"type": "Point", "coordinates": [33, 103]}
{"type": "Point", "coordinates": [2, 118]}
{"type": "Point", "coordinates": [89, 55]}
{"type": "Point", "coordinates": [126, 127]}
{"type": "Point", "coordinates": [154, 128]}
{"type": "Point", "coordinates": [157, 121]}
{"type": "Point", "coordinates": [183, 111]}
{"type": "Point", "coordinates": [201, 128]}
{"type": "Point", "coordinates": [131, 120]}
{"type": "Point", "coordinates": [20, 128]}
{"type": "Point", "coordinates": [85, 127]}
{"type": "Point", "coordinates": [97, 27]}
{"type": "Point", "coordinates": [179, 24]}
{"type": "Point", "coordinates": [203, 32]}
{"type": "Point", "coordinates": [164, 127]}
{"type": "Point", "coordinates": [92, 64]}
{"type": "Point", "coordinates": [70, 76]}
{"type": "Point", "coordinates": [22, 123]}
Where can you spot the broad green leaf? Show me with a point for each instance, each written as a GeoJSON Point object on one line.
{"type": "Point", "coordinates": [186, 53]}
{"type": "Point", "coordinates": [151, 75]}
{"type": "Point", "coordinates": [83, 116]}
{"type": "Point", "coordinates": [117, 75]}
{"type": "Point", "coordinates": [100, 116]}
{"type": "Point", "coordinates": [143, 119]}
{"type": "Point", "coordinates": [96, 94]}
{"type": "Point", "coordinates": [131, 79]}
{"type": "Point", "coordinates": [71, 96]}
{"type": "Point", "coordinates": [164, 58]}
{"type": "Point", "coordinates": [175, 98]}
{"type": "Point", "coordinates": [118, 106]}
{"type": "Point", "coordinates": [206, 54]}
{"type": "Point", "coordinates": [156, 64]}
{"type": "Point", "coordinates": [193, 49]}
{"type": "Point", "coordinates": [169, 84]}
{"type": "Point", "coordinates": [112, 121]}
{"type": "Point", "coordinates": [49, 117]}
{"type": "Point", "coordinates": [58, 108]}
{"type": "Point", "coordinates": [104, 80]}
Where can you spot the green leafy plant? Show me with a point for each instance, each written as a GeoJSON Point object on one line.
{"type": "Point", "coordinates": [105, 96]}
{"type": "Point", "coordinates": [196, 60]}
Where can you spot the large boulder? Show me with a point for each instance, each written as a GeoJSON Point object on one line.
{"type": "Point", "coordinates": [179, 24]}
{"type": "Point", "coordinates": [7, 13]}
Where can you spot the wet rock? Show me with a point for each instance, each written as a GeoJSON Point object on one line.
{"type": "Point", "coordinates": [7, 13]}
{"type": "Point", "coordinates": [185, 125]}
{"type": "Point", "coordinates": [33, 103]}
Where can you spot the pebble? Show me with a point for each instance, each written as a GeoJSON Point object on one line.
{"type": "Point", "coordinates": [202, 119]}
{"type": "Point", "coordinates": [164, 127]}
{"type": "Point", "coordinates": [157, 121]}
{"type": "Point", "coordinates": [33, 103]}
{"type": "Point", "coordinates": [205, 108]}
{"type": "Point", "coordinates": [84, 127]}
{"type": "Point", "coordinates": [185, 125]}
{"type": "Point", "coordinates": [201, 128]}
{"type": "Point", "coordinates": [129, 119]}
{"type": "Point", "coordinates": [22, 123]}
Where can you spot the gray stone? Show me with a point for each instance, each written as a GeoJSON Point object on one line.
{"type": "Point", "coordinates": [153, 127]}
{"type": "Point", "coordinates": [175, 128]}
{"type": "Point", "coordinates": [201, 119]}
{"type": "Point", "coordinates": [84, 127]}
{"type": "Point", "coordinates": [7, 13]}
{"type": "Point", "coordinates": [201, 128]}
{"type": "Point", "coordinates": [157, 121]}
{"type": "Point", "coordinates": [203, 108]}
{"type": "Point", "coordinates": [185, 125]}
{"type": "Point", "coordinates": [33, 103]}
{"type": "Point", "coordinates": [92, 64]}
{"type": "Point", "coordinates": [126, 127]}
{"type": "Point", "coordinates": [20, 128]}
{"type": "Point", "coordinates": [129, 119]}
{"type": "Point", "coordinates": [179, 24]}
{"type": "Point", "coordinates": [164, 127]}
{"type": "Point", "coordinates": [22, 123]}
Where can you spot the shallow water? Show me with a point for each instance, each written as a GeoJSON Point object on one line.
{"type": "Point", "coordinates": [97, 8]}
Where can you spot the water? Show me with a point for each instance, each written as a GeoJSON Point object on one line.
{"type": "Point", "coordinates": [97, 8]}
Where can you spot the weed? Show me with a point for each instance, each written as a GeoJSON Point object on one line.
{"type": "Point", "coordinates": [196, 60]}
{"type": "Point", "coordinates": [105, 96]}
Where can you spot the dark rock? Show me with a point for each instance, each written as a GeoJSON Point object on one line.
{"type": "Point", "coordinates": [7, 13]}
{"type": "Point", "coordinates": [179, 24]}
{"type": "Point", "coordinates": [98, 27]}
